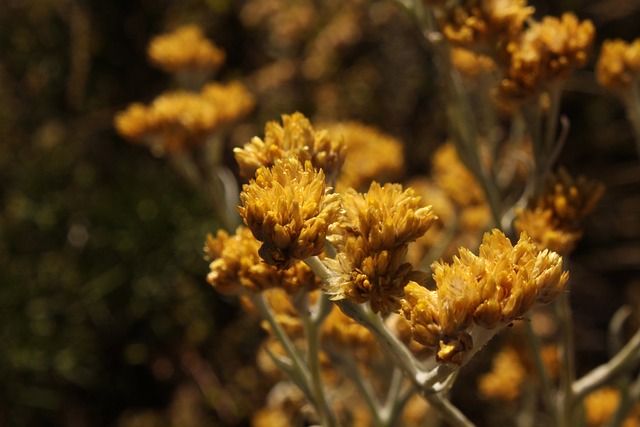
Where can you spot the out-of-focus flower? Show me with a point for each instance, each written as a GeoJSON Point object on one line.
{"type": "Point", "coordinates": [342, 333]}
{"type": "Point", "coordinates": [370, 155]}
{"type": "Point", "coordinates": [185, 50]}
{"type": "Point", "coordinates": [485, 291]}
{"type": "Point", "coordinates": [600, 405]}
{"type": "Point", "coordinates": [235, 265]}
{"type": "Point", "coordinates": [618, 66]}
{"type": "Point", "coordinates": [296, 137]}
{"type": "Point", "coordinates": [471, 64]}
{"type": "Point", "coordinates": [288, 207]}
{"type": "Point", "coordinates": [553, 217]}
{"type": "Point", "coordinates": [505, 379]}
{"type": "Point", "coordinates": [482, 23]}
{"type": "Point", "coordinates": [232, 100]}
{"type": "Point", "coordinates": [547, 51]}
{"type": "Point", "coordinates": [181, 120]}
{"type": "Point", "coordinates": [371, 239]}
{"type": "Point", "coordinates": [454, 178]}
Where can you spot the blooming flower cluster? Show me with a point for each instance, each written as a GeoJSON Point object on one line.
{"type": "Point", "coordinates": [371, 239]}
{"type": "Point", "coordinates": [481, 292]}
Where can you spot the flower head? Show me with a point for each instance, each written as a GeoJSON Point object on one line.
{"type": "Point", "coordinates": [372, 237]}
{"type": "Point", "coordinates": [295, 138]}
{"type": "Point", "coordinates": [288, 208]}
{"type": "Point", "coordinates": [487, 290]}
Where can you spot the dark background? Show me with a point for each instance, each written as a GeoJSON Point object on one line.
{"type": "Point", "coordinates": [105, 316]}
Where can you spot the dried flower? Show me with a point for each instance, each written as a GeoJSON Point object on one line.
{"type": "Point", "coordinates": [288, 208]}
{"type": "Point", "coordinates": [296, 137]}
{"type": "Point", "coordinates": [553, 217]}
{"type": "Point", "coordinates": [235, 265]}
{"type": "Point", "coordinates": [370, 155]}
{"type": "Point", "coordinates": [372, 238]}
{"type": "Point", "coordinates": [491, 289]}
{"type": "Point", "coordinates": [618, 66]}
{"type": "Point", "coordinates": [185, 48]}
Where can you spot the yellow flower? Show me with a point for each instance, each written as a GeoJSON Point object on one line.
{"type": "Point", "coordinates": [553, 216]}
{"type": "Point", "coordinates": [487, 291]}
{"type": "Point", "coordinates": [618, 66]}
{"type": "Point", "coordinates": [288, 208]}
{"type": "Point", "coordinates": [181, 120]}
{"type": "Point", "coordinates": [296, 137]}
{"type": "Point", "coordinates": [547, 51]}
{"type": "Point", "coordinates": [185, 48]}
{"type": "Point", "coordinates": [371, 239]}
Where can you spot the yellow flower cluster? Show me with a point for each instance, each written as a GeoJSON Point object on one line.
{"type": "Point", "coordinates": [546, 51]}
{"type": "Point", "coordinates": [618, 66]}
{"type": "Point", "coordinates": [370, 155]}
{"type": "Point", "coordinates": [487, 291]}
{"type": "Point", "coordinates": [288, 208]}
{"type": "Point", "coordinates": [181, 120]}
{"type": "Point", "coordinates": [371, 238]}
{"type": "Point", "coordinates": [296, 138]}
{"type": "Point", "coordinates": [235, 265]}
{"type": "Point", "coordinates": [553, 217]}
{"type": "Point", "coordinates": [186, 48]}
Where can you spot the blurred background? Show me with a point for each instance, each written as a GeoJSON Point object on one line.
{"type": "Point", "coordinates": [106, 318]}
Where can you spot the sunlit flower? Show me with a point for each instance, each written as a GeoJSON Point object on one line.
{"type": "Point", "coordinates": [288, 208]}
{"type": "Point", "coordinates": [372, 238]}
{"type": "Point", "coordinates": [489, 290]}
{"type": "Point", "coordinates": [295, 138]}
